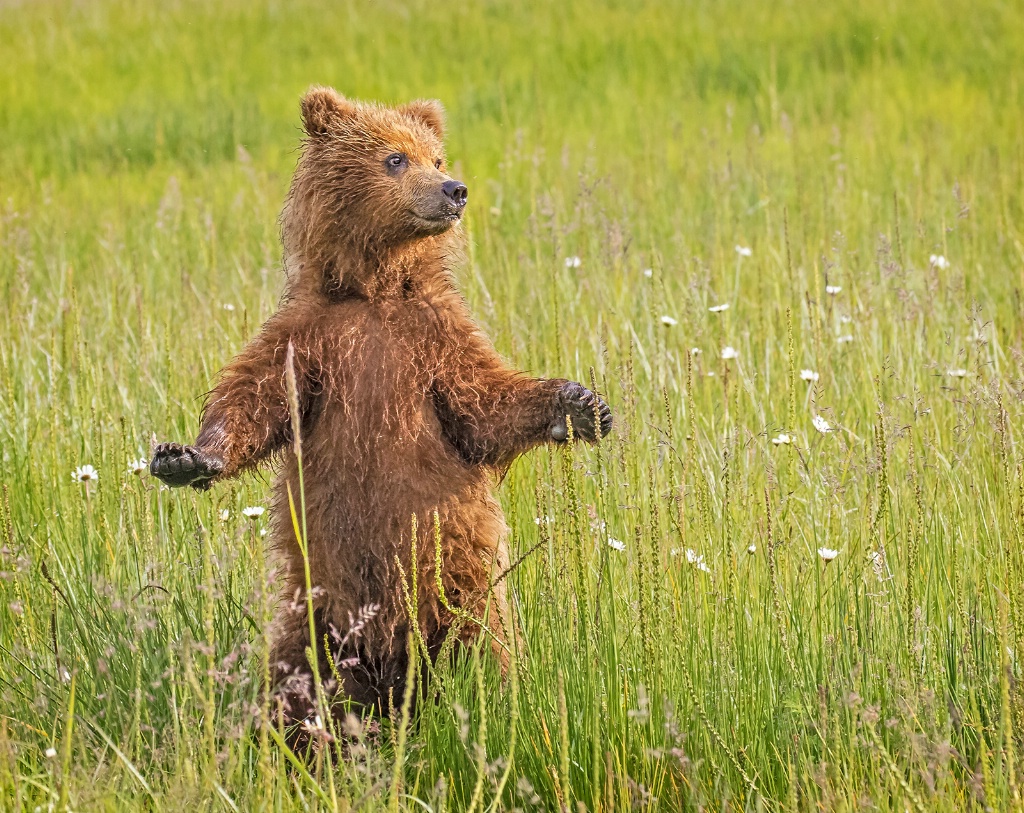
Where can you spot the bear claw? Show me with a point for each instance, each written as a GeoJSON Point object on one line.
{"type": "Point", "coordinates": [590, 415]}
{"type": "Point", "coordinates": [178, 465]}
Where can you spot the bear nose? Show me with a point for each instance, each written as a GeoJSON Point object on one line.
{"type": "Point", "coordinates": [456, 192]}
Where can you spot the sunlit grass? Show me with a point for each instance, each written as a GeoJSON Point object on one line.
{"type": "Point", "coordinates": [714, 617]}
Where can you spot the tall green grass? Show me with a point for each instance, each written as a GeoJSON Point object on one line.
{"type": "Point", "coordinates": [681, 643]}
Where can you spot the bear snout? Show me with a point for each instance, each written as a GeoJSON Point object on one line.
{"type": "Point", "coordinates": [456, 193]}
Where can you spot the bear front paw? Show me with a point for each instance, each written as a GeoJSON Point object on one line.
{"type": "Point", "coordinates": [591, 418]}
{"type": "Point", "coordinates": [178, 465]}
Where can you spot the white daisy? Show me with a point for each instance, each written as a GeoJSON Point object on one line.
{"type": "Point", "coordinates": [833, 290]}
{"type": "Point", "coordinates": [782, 439]}
{"type": "Point", "coordinates": [729, 352]}
{"type": "Point", "coordinates": [751, 549]}
{"type": "Point", "coordinates": [808, 375]}
{"type": "Point", "coordinates": [827, 554]}
{"type": "Point", "coordinates": [938, 261]}
{"type": "Point", "coordinates": [138, 467]}
{"type": "Point", "coordinates": [543, 520]}
{"type": "Point", "coordinates": [668, 321]}
{"type": "Point", "coordinates": [845, 339]}
{"type": "Point", "coordinates": [648, 272]}
{"type": "Point", "coordinates": [253, 511]}
{"type": "Point", "coordinates": [695, 351]}
{"type": "Point", "coordinates": [85, 474]}
{"type": "Point", "coordinates": [821, 424]}
{"type": "Point", "coordinates": [228, 306]}
{"type": "Point", "coordinates": [957, 373]}
{"type": "Point", "coordinates": [719, 308]}
{"type": "Point", "coordinates": [616, 544]}
{"type": "Point", "coordinates": [225, 514]}
{"type": "Point", "coordinates": [50, 753]}
{"type": "Point", "coordinates": [744, 251]}
{"type": "Point", "coordinates": [573, 262]}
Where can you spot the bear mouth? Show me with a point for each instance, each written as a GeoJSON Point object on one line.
{"type": "Point", "coordinates": [438, 222]}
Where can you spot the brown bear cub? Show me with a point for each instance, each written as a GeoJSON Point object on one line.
{"type": "Point", "coordinates": [405, 408]}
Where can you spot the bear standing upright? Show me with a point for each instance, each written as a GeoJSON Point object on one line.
{"type": "Point", "coordinates": [405, 407]}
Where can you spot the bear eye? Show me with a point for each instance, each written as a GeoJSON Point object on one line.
{"type": "Point", "coordinates": [395, 160]}
{"type": "Point", "coordinates": [437, 164]}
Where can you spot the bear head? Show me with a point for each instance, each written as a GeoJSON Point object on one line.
{"type": "Point", "coordinates": [371, 183]}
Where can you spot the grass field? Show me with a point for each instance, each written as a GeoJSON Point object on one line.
{"type": "Point", "coordinates": [847, 179]}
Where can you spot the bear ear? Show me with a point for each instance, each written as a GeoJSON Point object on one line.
{"type": "Point", "coordinates": [427, 111]}
{"type": "Point", "coordinates": [323, 107]}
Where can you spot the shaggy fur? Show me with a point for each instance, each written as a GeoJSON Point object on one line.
{"type": "Point", "coordinates": [405, 406]}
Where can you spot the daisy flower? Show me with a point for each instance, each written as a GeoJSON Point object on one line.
{"type": "Point", "coordinates": [616, 544]}
{"type": "Point", "coordinates": [938, 261]}
{"type": "Point", "coordinates": [668, 321]}
{"type": "Point", "coordinates": [85, 474]}
{"type": "Point", "coordinates": [821, 424]}
{"type": "Point", "coordinates": [808, 375]}
{"type": "Point", "coordinates": [782, 439]}
{"type": "Point", "coordinates": [833, 290]}
{"type": "Point", "coordinates": [225, 514]}
{"type": "Point", "coordinates": [573, 262]}
{"type": "Point", "coordinates": [744, 251]}
{"type": "Point", "coordinates": [719, 308]}
{"type": "Point", "coordinates": [648, 272]}
{"type": "Point", "coordinates": [957, 373]}
{"type": "Point", "coordinates": [845, 339]}
{"type": "Point", "coordinates": [138, 467]}
{"type": "Point", "coordinates": [751, 549]}
{"type": "Point", "coordinates": [827, 554]}
{"type": "Point", "coordinates": [253, 511]}
{"type": "Point", "coordinates": [730, 353]}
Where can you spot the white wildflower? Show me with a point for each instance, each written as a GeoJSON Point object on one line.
{"type": "Point", "coordinates": [782, 439]}
{"type": "Point", "coordinates": [138, 467]}
{"type": "Point", "coordinates": [543, 520]}
{"type": "Point", "coordinates": [827, 554]}
{"type": "Point", "coordinates": [751, 549]}
{"type": "Point", "coordinates": [821, 424]}
{"type": "Point", "coordinates": [845, 339]}
{"type": "Point", "coordinates": [616, 544]}
{"type": "Point", "coordinates": [225, 514]}
{"type": "Point", "coordinates": [573, 262]}
{"type": "Point", "coordinates": [744, 251]}
{"type": "Point", "coordinates": [253, 511]}
{"type": "Point", "coordinates": [695, 351]}
{"type": "Point", "coordinates": [729, 352]}
{"type": "Point", "coordinates": [668, 321]}
{"type": "Point", "coordinates": [263, 531]}
{"type": "Point", "coordinates": [50, 752]}
{"type": "Point", "coordinates": [808, 375]}
{"type": "Point", "coordinates": [960, 372]}
{"type": "Point", "coordinates": [938, 261]}
{"type": "Point", "coordinates": [697, 560]}
{"type": "Point", "coordinates": [85, 474]}
{"type": "Point", "coordinates": [719, 308]}
{"type": "Point", "coordinates": [833, 290]}
{"type": "Point", "coordinates": [648, 272]}
{"type": "Point", "coordinates": [228, 306]}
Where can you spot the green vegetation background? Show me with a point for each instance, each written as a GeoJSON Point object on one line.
{"type": "Point", "coordinates": [145, 151]}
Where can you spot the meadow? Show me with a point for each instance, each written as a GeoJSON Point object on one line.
{"type": "Point", "coordinates": [785, 240]}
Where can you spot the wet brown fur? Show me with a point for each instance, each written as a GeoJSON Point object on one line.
{"type": "Point", "coordinates": [406, 407]}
